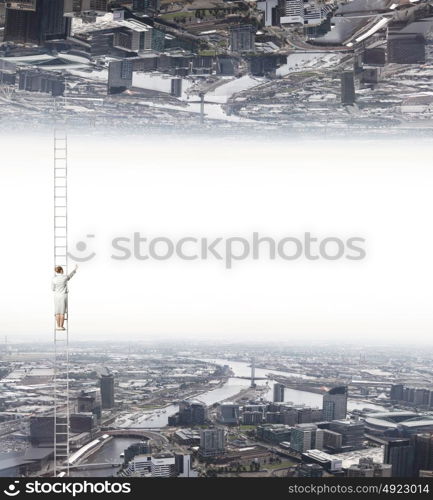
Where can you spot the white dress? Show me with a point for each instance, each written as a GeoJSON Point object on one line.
{"type": "Point", "coordinates": [60, 289]}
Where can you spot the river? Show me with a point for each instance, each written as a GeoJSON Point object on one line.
{"type": "Point", "coordinates": [159, 418]}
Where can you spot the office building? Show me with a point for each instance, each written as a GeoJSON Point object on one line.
{"type": "Point", "coordinates": [335, 404]}
{"type": "Point", "coordinates": [399, 453]}
{"type": "Point", "coordinates": [228, 413]}
{"type": "Point", "coordinates": [86, 5]}
{"type": "Point", "coordinates": [90, 402]}
{"type": "Point", "coordinates": [242, 38]}
{"type": "Point", "coordinates": [190, 437]}
{"type": "Point", "coordinates": [332, 441]}
{"type": "Point", "coordinates": [423, 452]}
{"type": "Point", "coordinates": [184, 466]}
{"type": "Point", "coordinates": [252, 417]}
{"type": "Point", "coordinates": [191, 412]}
{"type": "Point", "coordinates": [176, 87]}
{"type": "Point", "coordinates": [149, 7]}
{"type": "Point", "coordinates": [135, 37]}
{"type": "Point", "coordinates": [306, 437]}
{"type": "Point", "coordinates": [291, 11]}
{"type": "Point", "coordinates": [270, 10]}
{"type": "Point", "coordinates": [375, 56]}
{"type": "Point", "coordinates": [142, 448]}
{"type": "Point", "coordinates": [309, 470]}
{"type": "Point", "coordinates": [37, 23]}
{"type": "Point", "coordinates": [406, 48]}
{"type": "Point", "coordinates": [325, 460]}
{"type": "Point", "coordinates": [278, 393]}
{"type": "Point", "coordinates": [347, 88]}
{"type": "Point", "coordinates": [35, 80]}
{"type": "Point", "coordinates": [119, 76]}
{"type": "Point", "coordinates": [42, 430]}
{"type": "Point", "coordinates": [352, 434]}
{"type": "Point", "coordinates": [274, 433]}
{"type": "Point", "coordinates": [368, 468]}
{"type": "Point", "coordinates": [212, 443]}
{"type": "Point", "coordinates": [83, 422]}
{"type": "Point", "coordinates": [140, 466]}
{"type": "Point", "coordinates": [163, 465]}
{"type": "Point", "coordinates": [107, 390]}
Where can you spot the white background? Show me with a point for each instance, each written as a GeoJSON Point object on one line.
{"type": "Point", "coordinates": [206, 188]}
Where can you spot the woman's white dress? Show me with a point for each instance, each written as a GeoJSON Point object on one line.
{"type": "Point", "coordinates": [60, 289]}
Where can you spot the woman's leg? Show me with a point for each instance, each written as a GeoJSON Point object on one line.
{"type": "Point", "coordinates": [61, 320]}
{"type": "Point", "coordinates": [58, 320]}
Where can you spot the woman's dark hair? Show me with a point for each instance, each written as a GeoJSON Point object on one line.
{"type": "Point", "coordinates": [59, 269]}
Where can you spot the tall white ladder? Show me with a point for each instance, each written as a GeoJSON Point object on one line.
{"type": "Point", "coordinates": [61, 338]}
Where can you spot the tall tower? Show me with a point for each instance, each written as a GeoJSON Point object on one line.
{"type": "Point", "coordinates": [278, 393]}
{"type": "Point", "coordinates": [335, 403]}
{"type": "Point", "coordinates": [107, 390]}
{"type": "Point", "coordinates": [253, 372]}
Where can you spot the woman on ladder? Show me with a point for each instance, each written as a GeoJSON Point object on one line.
{"type": "Point", "coordinates": [60, 289]}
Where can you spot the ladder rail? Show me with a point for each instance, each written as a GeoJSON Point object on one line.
{"type": "Point", "coordinates": [61, 339]}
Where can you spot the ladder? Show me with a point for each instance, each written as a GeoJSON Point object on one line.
{"type": "Point", "coordinates": [61, 338]}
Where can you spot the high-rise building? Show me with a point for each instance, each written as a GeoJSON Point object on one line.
{"type": "Point", "coordinates": [352, 433]}
{"type": "Point", "coordinates": [90, 402]}
{"type": "Point", "coordinates": [35, 80]}
{"type": "Point", "coordinates": [38, 23]}
{"type": "Point", "coordinates": [212, 442]}
{"type": "Point", "coordinates": [348, 88]}
{"type": "Point", "coordinates": [291, 11]}
{"type": "Point", "coordinates": [184, 466]}
{"type": "Point", "coordinates": [335, 403]}
{"type": "Point", "coordinates": [242, 38]}
{"type": "Point", "coordinates": [107, 390]}
{"type": "Point", "coordinates": [306, 437]}
{"type": "Point", "coordinates": [399, 453]}
{"type": "Point", "coordinates": [423, 452]}
{"type": "Point", "coordinates": [228, 413]}
{"type": "Point", "coordinates": [83, 422]}
{"type": "Point", "coordinates": [176, 87]}
{"type": "Point", "coordinates": [119, 76]}
{"type": "Point", "coordinates": [278, 393]}
{"type": "Point", "coordinates": [270, 8]}
{"type": "Point", "coordinates": [332, 441]}
{"type": "Point", "coordinates": [191, 412]}
{"type": "Point", "coordinates": [42, 430]}
{"type": "Point", "coordinates": [408, 48]}
{"type": "Point", "coordinates": [252, 417]}
{"type": "Point", "coordinates": [148, 7]}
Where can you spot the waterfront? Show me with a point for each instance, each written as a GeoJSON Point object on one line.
{"type": "Point", "coordinates": [159, 418]}
{"type": "Point", "coordinates": [109, 453]}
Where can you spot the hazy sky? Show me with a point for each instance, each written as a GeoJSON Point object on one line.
{"type": "Point", "coordinates": [209, 188]}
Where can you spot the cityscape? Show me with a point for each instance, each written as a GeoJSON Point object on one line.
{"type": "Point", "coordinates": [193, 124]}
{"type": "Point", "coordinates": [270, 66]}
{"type": "Point", "coordinates": [165, 409]}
